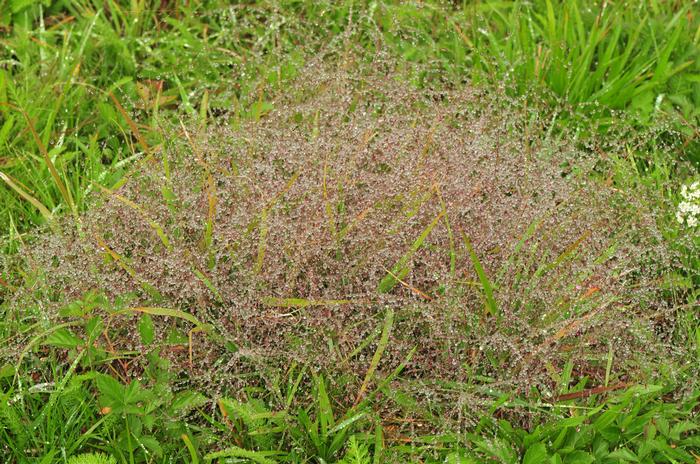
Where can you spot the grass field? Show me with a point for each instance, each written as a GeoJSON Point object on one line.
{"type": "Point", "coordinates": [349, 231]}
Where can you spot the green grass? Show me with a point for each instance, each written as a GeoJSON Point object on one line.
{"type": "Point", "coordinates": [138, 424]}
{"type": "Point", "coordinates": [89, 86]}
{"type": "Point", "coordinates": [85, 89]}
{"type": "Point", "coordinates": [640, 56]}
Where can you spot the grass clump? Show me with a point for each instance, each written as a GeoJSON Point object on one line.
{"type": "Point", "coordinates": [357, 200]}
{"type": "Point", "coordinates": [344, 267]}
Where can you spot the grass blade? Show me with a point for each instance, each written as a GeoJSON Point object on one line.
{"type": "Point", "coordinates": [65, 193]}
{"type": "Point", "coordinates": [132, 125]}
{"type": "Point", "coordinates": [207, 282]}
{"type": "Point", "coordinates": [36, 203]}
{"type": "Point", "coordinates": [167, 312]}
{"type": "Point", "coordinates": [154, 225]}
{"type": "Point", "coordinates": [381, 346]}
{"type": "Point", "coordinates": [262, 243]}
{"type": "Point", "coordinates": [300, 302]}
{"type": "Point", "coordinates": [491, 305]}
{"type": "Point", "coordinates": [211, 212]}
{"type": "Point", "coordinates": [453, 253]}
{"type": "Point", "coordinates": [401, 269]}
{"type": "Point", "coordinates": [190, 448]}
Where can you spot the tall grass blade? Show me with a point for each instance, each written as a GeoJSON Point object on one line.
{"type": "Point", "coordinates": [381, 346]}
{"type": "Point", "coordinates": [154, 225]}
{"type": "Point", "coordinates": [132, 125]}
{"type": "Point", "coordinates": [34, 202]}
{"type": "Point", "coordinates": [190, 448]}
{"type": "Point", "coordinates": [166, 312]}
{"type": "Point", "coordinates": [301, 302]}
{"type": "Point", "coordinates": [486, 285]}
{"type": "Point", "coordinates": [262, 243]}
{"type": "Point", "coordinates": [65, 193]}
{"type": "Point", "coordinates": [401, 269]}
{"type": "Point", "coordinates": [208, 283]}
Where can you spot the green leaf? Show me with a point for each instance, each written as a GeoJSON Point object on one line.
{"type": "Point", "coordinates": [7, 370]}
{"type": "Point", "coordinates": [311, 428]}
{"type": "Point", "coordinates": [123, 399]}
{"type": "Point", "coordinates": [94, 328]}
{"type": "Point", "coordinates": [133, 393]}
{"type": "Point", "coordinates": [378, 443]}
{"type": "Point", "coordinates": [63, 338]}
{"type": "Point", "coordinates": [146, 329]}
{"type": "Point", "coordinates": [152, 445]}
{"type": "Point", "coordinates": [606, 419]}
{"type": "Point", "coordinates": [190, 447]}
{"type": "Point", "coordinates": [643, 390]}
{"type": "Point", "coordinates": [87, 458]}
{"type": "Point", "coordinates": [680, 428]}
{"type": "Point", "coordinates": [497, 448]}
{"type": "Point", "coordinates": [535, 454]}
{"type": "Point", "coordinates": [87, 304]}
{"type": "Point", "coordinates": [260, 457]}
{"type": "Point", "coordinates": [325, 411]}
{"type": "Point", "coordinates": [207, 282]}
{"type": "Point", "coordinates": [186, 401]}
{"type": "Point", "coordinates": [260, 109]}
{"type": "Point", "coordinates": [663, 426]}
{"type": "Point", "coordinates": [357, 453]}
{"type": "Point", "coordinates": [346, 423]}
{"type": "Point", "coordinates": [111, 390]}
{"type": "Point", "coordinates": [623, 454]}
{"type": "Point", "coordinates": [18, 5]}
{"type": "Point", "coordinates": [457, 458]}
{"type": "Point", "coordinates": [579, 457]}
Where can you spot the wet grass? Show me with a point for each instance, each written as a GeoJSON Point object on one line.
{"type": "Point", "coordinates": [88, 91]}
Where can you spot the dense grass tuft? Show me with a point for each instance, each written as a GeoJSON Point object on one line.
{"type": "Point", "coordinates": [349, 231]}
{"type": "Point", "coordinates": [288, 240]}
